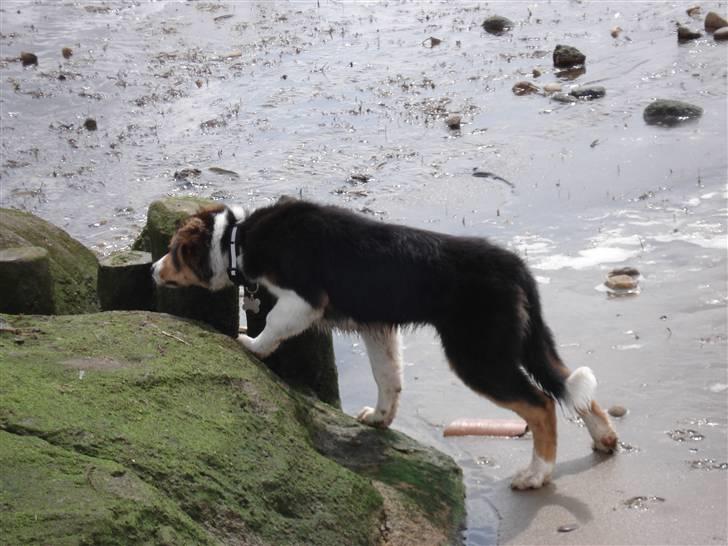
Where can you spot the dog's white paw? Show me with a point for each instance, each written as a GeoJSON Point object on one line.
{"type": "Point", "coordinates": [536, 475]}
{"type": "Point", "coordinates": [369, 416]}
{"type": "Point", "coordinates": [251, 345]}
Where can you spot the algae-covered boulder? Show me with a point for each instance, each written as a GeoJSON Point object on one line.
{"type": "Point", "coordinates": [140, 428]}
{"type": "Point", "coordinates": [72, 266]}
{"type": "Point", "coordinates": [26, 285]}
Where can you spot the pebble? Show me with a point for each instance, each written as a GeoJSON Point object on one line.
{"type": "Point", "coordinates": [497, 24]}
{"type": "Point", "coordinates": [28, 58]}
{"type": "Point", "coordinates": [567, 56]}
{"type": "Point", "coordinates": [453, 121]}
{"type": "Point", "coordinates": [615, 32]}
{"type": "Point", "coordinates": [621, 282]}
{"type": "Point", "coordinates": [552, 87]}
{"type": "Point", "coordinates": [684, 34]}
{"type": "Point", "coordinates": [567, 528]}
{"type": "Point", "coordinates": [589, 92]}
{"type": "Point", "coordinates": [90, 124]}
{"type": "Point", "coordinates": [536, 73]}
{"type": "Point", "coordinates": [67, 52]}
{"type": "Point", "coordinates": [693, 11]}
{"type": "Point", "coordinates": [721, 34]}
{"type": "Point", "coordinates": [713, 21]}
{"type": "Point", "coordinates": [525, 88]}
{"type": "Point", "coordinates": [563, 97]}
{"type": "Point", "coordinates": [617, 411]}
{"type": "Point", "coordinates": [670, 112]}
{"type": "Point", "coordinates": [631, 271]}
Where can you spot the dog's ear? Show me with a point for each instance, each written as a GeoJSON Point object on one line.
{"type": "Point", "coordinates": [285, 199]}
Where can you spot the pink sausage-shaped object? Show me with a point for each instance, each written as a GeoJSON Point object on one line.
{"type": "Point", "coordinates": [486, 427]}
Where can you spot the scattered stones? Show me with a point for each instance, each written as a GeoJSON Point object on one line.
{"type": "Point", "coordinates": [684, 34]}
{"type": "Point", "coordinates": [90, 124]}
{"type": "Point", "coordinates": [621, 282]}
{"type": "Point", "coordinates": [693, 11]}
{"type": "Point", "coordinates": [525, 88]}
{"type": "Point", "coordinates": [721, 34]}
{"type": "Point", "coordinates": [684, 435]}
{"type": "Point", "coordinates": [570, 73]}
{"type": "Point", "coordinates": [28, 59]}
{"type": "Point", "coordinates": [642, 502]}
{"type": "Point", "coordinates": [713, 21]}
{"type": "Point", "coordinates": [479, 173]}
{"type": "Point", "coordinates": [225, 172]}
{"type": "Point", "coordinates": [567, 528]}
{"type": "Point", "coordinates": [536, 73]}
{"type": "Point", "coordinates": [359, 178]}
{"type": "Point", "coordinates": [670, 112]}
{"type": "Point", "coordinates": [67, 52]}
{"type": "Point", "coordinates": [631, 271]}
{"type": "Point", "coordinates": [497, 25]}
{"type": "Point", "coordinates": [588, 92]}
{"type": "Point", "coordinates": [617, 411]}
{"type": "Point", "coordinates": [567, 57]}
{"type": "Point", "coordinates": [431, 42]}
{"type": "Point", "coordinates": [453, 121]}
{"type": "Point", "coordinates": [552, 87]}
{"type": "Point", "coordinates": [563, 97]}
{"type": "Point", "coordinates": [184, 174]}
{"type": "Point", "coordinates": [707, 464]}
{"type": "Point", "coordinates": [615, 32]}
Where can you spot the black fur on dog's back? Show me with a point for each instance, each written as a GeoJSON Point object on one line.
{"type": "Point", "coordinates": [481, 298]}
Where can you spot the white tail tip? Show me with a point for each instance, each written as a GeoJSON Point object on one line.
{"type": "Point", "coordinates": [580, 387]}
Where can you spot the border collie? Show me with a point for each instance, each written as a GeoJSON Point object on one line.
{"type": "Point", "coordinates": [329, 267]}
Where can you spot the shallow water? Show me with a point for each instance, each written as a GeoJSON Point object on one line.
{"type": "Point", "coordinates": [297, 97]}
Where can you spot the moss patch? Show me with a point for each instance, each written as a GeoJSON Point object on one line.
{"type": "Point", "coordinates": [185, 411]}
{"type": "Point", "coordinates": [73, 267]}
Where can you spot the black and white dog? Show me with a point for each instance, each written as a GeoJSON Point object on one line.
{"type": "Point", "coordinates": [329, 267]}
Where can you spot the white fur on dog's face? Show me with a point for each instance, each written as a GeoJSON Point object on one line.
{"type": "Point", "coordinates": [195, 256]}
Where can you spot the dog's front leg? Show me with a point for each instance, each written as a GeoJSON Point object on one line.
{"type": "Point", "coordinates": [385, 357]}
{"type": "Point", "coordinates": [290, 316]}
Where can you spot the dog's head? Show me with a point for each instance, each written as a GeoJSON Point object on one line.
{"type": "Point", "coordinates": [195, 257]}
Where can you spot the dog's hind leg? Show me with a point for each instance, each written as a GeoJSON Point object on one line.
{"type": "Point", "coordinates": [541, 420]}
{"type": "Point", "coordinates": [385, 357]}
{"type": "Point", "coordinates": [290, 316]}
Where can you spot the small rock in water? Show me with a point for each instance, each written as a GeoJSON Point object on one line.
{"type": "Point", "coordinates": [432, 42]}
{"type": "Point", "coordinates": [568, 56]}
{"type": "Point", "coordinates": [621, 282]}
{"type": "Point", "coordinates": [563, 97]}
{"type": "Point", "coordinates": [90, 124]}
{"type": "Point", "coordinates": [589, 92]}
{"type": "Point", "coordinates": [567, 528]}
{"type": "Point", "coordinates": [184, 174]}
{"type": "Point", "coordinates": [552, 87]}
{"type": "Point", "coordinates": [616, 31]}
{"type": "Point", "coordinates": [631, 271]}
{"type": "Point", "coordinates": [67, 52]}
{"type": "Point", "coordinates": [28, 58]}
{"type": "Point", "coordinates": [525, 88]}
{"type": "Point", "coordinates": [617, 411]}
{"type": "Point", "coordinates": [453, 121]}
{"type": "Point", "coordinates": [497, 24]}
{"type": "Point", "coordinates": [359, 178]}
{"type": "Point", "coordinates": [684, 34]}
{"type": "Point", "coordinates": [670, 112]}
{"type": "Point", "coordinates": [693, 11]}
{"type": "Point", "coordinates": [536, 73]}
{"type": "Point", "coordinates": [721, 34]}
{"type": "Point", "coordinates": [713, 21]}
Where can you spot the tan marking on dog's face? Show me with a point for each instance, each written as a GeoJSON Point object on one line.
{"type": "Point", "coordinates": [188, 262]}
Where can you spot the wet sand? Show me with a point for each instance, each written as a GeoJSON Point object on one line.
{"type": "Point", "coordinates": [298, 97]}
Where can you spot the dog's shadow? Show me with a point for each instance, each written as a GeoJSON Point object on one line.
{"type": "Point", "coordinates": [518, 509]}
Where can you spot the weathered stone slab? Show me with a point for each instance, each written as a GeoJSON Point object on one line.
{"type": "Point", "coordinates": [125, 281]}
{"type": "Point", "coordinates": [73, 267]}
{"type": "Point", "coordinates": [25, 281]}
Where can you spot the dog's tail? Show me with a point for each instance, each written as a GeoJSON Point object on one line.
{"type": "Point", "coordinates": [540, 358]}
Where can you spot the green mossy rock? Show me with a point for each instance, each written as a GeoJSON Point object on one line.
{"type": "Point", "coordinates": [125, 281]}
{"type": "Point", "coordinates": [140, 428]}
{"type": "Point", "coordinates": [163, 217]}
{"type": "Point", "coordinates": [72, 266]}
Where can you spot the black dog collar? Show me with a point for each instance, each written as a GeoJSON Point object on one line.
{"type": "Point", "coordinates": [235, 274]}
